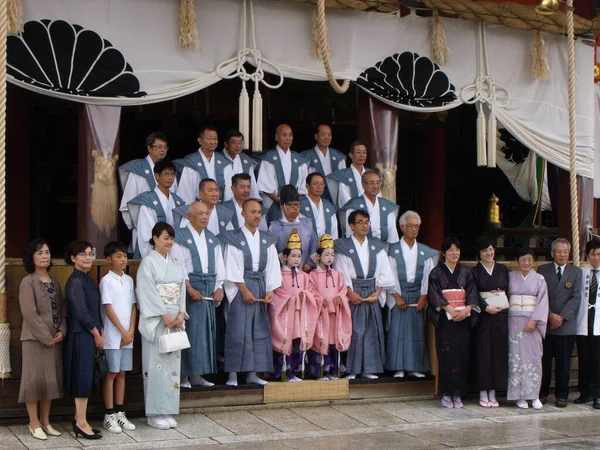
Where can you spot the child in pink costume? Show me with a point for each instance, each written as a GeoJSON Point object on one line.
{"type": "Point", "coordinates": [293, 314]}
{"type": "Point", "coordinates": [334, 328]}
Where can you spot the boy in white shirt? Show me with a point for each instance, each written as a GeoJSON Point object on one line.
{"type": "Point", "coordinates": [118, 298]}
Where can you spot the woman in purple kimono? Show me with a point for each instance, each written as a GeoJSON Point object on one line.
{"type": "Point", "coordinates": [527, 318]}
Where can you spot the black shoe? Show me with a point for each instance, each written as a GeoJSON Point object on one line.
{"type": "Point", "coordinates": [582, 399]}
{"type": "Point", "coordinates": [78, 432]}
{"type": "Point", "coordinates": [596, 403]}
{"type": "Point", "coordinates": [561, 402]}
{"type": "Point", "coordinates": [95, 430]}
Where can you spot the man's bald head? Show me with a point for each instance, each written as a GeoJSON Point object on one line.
{"type": "Point", "coordinates": [284, 136]}
{"type": "Point", "coordinates": [198, 215]}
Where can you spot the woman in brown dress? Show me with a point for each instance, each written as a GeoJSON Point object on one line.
{"type": "Point", "coordinates": [44, 327]}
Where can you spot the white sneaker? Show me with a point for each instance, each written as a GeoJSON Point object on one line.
{"type": "Point", "coordinates": [536, 404]}
{"type": "Point", "coordinates": [124, 422]}
{"type": "Point", "coordinates": [158, 422]}
{"type": "Point", "coordinates": [110, 423]}
{"type": "Point", "coordinates": [169, 419]}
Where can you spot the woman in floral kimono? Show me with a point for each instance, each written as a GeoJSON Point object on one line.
{"type": "Point", "coordinates": [527, 320]}
{"type": "Point", "coordinates": [334, 328]}
{"type": "Point", "coordinates": [161, 299]}
{"type": "Point", "coordinates": [293, 314]}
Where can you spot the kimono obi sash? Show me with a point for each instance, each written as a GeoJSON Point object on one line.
{"type": "Point", "coordinates": [256, 276]}
{"type": "Point", "coordinates": [524, 303]}
{"type": "Point", "coordinates": [496, 298]}
{"type": "Point", "coordinates": [169, 293]}
{"type": "Point", "coordinates": [457, 298]}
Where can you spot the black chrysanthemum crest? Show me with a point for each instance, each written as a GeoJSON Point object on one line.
{"type": "Point", "coordinates": [409, 79]}
{"type": "Point", "coordinates": [514, 151]}
{"type": "Point", "coordinates": [64, 57]}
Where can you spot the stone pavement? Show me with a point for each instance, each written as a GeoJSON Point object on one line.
{"type": "Point", "coordinates": [356, 424]}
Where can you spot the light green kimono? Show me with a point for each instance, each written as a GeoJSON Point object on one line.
{"type": "Point", "coordinates": [157, 280]}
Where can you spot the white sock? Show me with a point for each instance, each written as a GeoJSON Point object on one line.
{"type": "Point", "coordinates": [200, 381]}
{"type": "Point", "coordinates": [252, 378]}
{"type": "Point", "coordinates": [232, 380]}
{"type": "Point", "coordinates": [492, 396]}
{"type": "Point", "coordinates": [483, 395]}
{"type": "Point", "coordinates": [351, 376]}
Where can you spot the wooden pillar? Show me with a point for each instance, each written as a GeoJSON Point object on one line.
{"type": "Point", "coordinates": [432, 184]}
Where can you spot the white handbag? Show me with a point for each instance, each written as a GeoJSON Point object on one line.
{"type": "Point", "coordinates": [173, 342]}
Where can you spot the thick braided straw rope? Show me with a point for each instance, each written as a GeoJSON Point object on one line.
{"type": "Point", "coordinates": [323, 47]}
{"type": "Point", "coordinates": [4, 327]}
{"type": "Point", "coordinates": [513, 15]}
{"type": "Point", "coordinates": [188, 26]}
{"type": "Point", "coordinates": [573, 137]}
{"type": "Point", "coordinates": [104, 191]}
{"type": "Point", "coordinates": [15, 16]}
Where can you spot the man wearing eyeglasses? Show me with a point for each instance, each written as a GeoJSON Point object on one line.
{"type": "Point", "coordinates": [324, 159]}
{"type": "Point", "coordinates": [203, 163]}
{"type": "Point", "coordinates": [240, 163]}
{"type": "Point", "coordinates": [383, 212]}
{"type": "Point", "coordinates": [367, 272]}
{"type": "Point", "coordinates": [157, 205]}
{"type": "Point", "coordinates": [137, 176]}
{"type": "Point", "coordinates": [317, 208]}
{"type": "Point", "coordinates": [411, 263]}
{"type": "Point", "coordinates": [281, 228]}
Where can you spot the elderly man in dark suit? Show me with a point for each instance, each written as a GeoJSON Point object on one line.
{"type": "Point", "coordinates": [564, 294]}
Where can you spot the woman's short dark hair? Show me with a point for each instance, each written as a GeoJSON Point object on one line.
{"type": "Point", "coordinates": [525, 251]}
{"type": "Point", "coordinates": [158, 229]}
{"type": "Point", "coordinates": [76, 247]}
{"type": "Point", "coordinates": [482, 243]}
{"type": "Point", "coordinates": [448, 242]}
{"type": "Point", "coordinates": [30, 250]}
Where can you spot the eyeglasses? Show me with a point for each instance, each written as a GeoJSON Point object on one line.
{"type": "Point", "coordinates": [161, 147]}
{"type": "Point", "coordinates": [362, 222]}
{"type": "Point", "coordinates": [373, 183]}
{"type": "Point", "coordinates": [412, 225]}
{"type": "Point", "coordinates": [85, 255]}
{"type": "Point", "coordinates": [168, 174]}
{"type": "Point", "coordinates": [293, 205]}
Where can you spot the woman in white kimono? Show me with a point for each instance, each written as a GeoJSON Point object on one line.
{"type": "Point", "coordinates": [161, 299]}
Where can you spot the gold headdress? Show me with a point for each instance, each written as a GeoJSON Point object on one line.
{"type": "Point", "coordinates": [293, 241]}
{"type": "Point", "coordinates": [325, 241]}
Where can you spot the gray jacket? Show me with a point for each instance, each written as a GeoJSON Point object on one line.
{"type": "Point", "coordinates": [564, 297]}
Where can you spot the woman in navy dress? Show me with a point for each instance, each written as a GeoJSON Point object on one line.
{"type": "Point", "coordinates": [85, 333]}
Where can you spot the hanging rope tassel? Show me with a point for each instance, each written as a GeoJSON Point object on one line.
{"type": "Point", "coordinates": [188, 26]}
{"type": "Point", "coordinates": [244, 113]}
{"type": "Point", "coordinates": [481, 147]}
{"type": "Point", "coordinates": [15, 16]}
{"type": "Point", "coordinates": [439, 45]}
{"type": "Point", "coordinates": [540, 68]}
{"type": "Point", "coordinates": [491, 139]}
{"type": "Point", "coordinates": [257, 119]}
